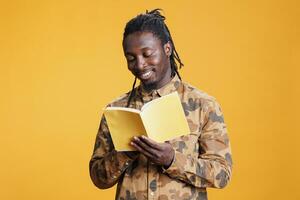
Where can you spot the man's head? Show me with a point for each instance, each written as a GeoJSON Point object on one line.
{"type": "Point", "coordinates": [149, 49]}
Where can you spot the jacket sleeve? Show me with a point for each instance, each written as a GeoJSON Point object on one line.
{"type": "Point", "coordinates": [107, 165]}
{"type": "Point", "coordinates": [212, 166]}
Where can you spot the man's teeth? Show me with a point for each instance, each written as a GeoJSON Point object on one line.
{"type": "Point", "coordinates": [146, 75]}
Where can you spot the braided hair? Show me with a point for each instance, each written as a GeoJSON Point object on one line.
{"type": "Point", "coordinates": [153, 21]}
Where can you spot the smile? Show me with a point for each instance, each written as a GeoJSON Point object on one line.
{"type": "Point", "coordinates": [145, 75]}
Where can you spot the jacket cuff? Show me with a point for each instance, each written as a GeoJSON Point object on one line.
{"type": "Point", "coordinates": [177, 165]}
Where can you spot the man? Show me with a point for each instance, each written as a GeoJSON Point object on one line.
{"type": "Point", "coordinates": [181, 168]}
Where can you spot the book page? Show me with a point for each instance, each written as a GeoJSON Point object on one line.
{"type": "Point", "coordinates": [123, 126]}
{"type": "Point", "coordinates": [124, 109]}
{"type": "Point", "coordinates": [164, 118]}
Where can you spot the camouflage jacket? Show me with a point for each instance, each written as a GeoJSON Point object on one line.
{"type": "Point", "coordinates": [202, 158]}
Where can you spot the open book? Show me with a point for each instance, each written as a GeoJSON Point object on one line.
{"type": "Point", "coordinates": [160, 119]}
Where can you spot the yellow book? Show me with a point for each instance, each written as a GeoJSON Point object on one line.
{"type": "Point", "coordinates": [160, 119]}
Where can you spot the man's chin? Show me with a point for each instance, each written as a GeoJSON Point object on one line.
{"type": "Point", "coordinates": [148, 84]}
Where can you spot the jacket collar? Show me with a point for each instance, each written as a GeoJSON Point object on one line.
{"type": "Point", "coordinates": [170, 87]}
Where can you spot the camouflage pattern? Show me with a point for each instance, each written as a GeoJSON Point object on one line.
{"type": "Point", "coordinates": [202, 158]}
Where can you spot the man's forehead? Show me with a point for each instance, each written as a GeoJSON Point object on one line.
{"type": "Point", "coordinates": [141, 40]}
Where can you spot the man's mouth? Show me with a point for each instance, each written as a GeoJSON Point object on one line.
{"type": "Point", "coordinates": [145, 75]}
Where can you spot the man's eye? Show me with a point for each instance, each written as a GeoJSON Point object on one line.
{"type": "Point", "coordinates": [129, 58]}
{"type": "Point", "coordinates": [148, 54]}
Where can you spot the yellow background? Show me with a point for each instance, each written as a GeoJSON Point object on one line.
{"type": "Point", "coordinates": [62, 61]}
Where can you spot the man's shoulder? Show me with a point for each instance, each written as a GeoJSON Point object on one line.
{"type": "Point", "coordinates": [195, 93]}
{"type": "Point", "coordinates": [197, 97]}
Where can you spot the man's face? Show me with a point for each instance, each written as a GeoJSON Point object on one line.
{"type": "Point", "coordinates": [147, 59]}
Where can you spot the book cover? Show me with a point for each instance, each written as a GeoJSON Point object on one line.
{"type": "Point", "coordinates": [160, 119]}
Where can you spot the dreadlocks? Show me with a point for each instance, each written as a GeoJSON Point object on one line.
{"type": "Point", "coordinates": [153, 22]}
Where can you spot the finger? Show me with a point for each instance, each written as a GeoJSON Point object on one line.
{"type": "Point", "coordinates": [142, 150]}
{"type": "Point", "coordinates": [151, 142]}
{"type": "Point", "coordinates": [144, 145]}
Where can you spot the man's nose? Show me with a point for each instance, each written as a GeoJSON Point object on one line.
{"type": "Point", "coordinates": [140, 63]}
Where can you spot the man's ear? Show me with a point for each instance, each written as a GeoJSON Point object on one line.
{"type": "Point", "coordinates": [168, 48]}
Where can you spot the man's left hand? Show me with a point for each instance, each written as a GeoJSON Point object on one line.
{"type": "Point", "coordinates": [159, 153]}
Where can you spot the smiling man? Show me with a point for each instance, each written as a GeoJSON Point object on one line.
{"type": "Point", "coordinates": [181, 168]}
{"type": "Point", "coordinates": [148, 59]}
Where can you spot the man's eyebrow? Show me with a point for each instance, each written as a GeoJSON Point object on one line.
{"type": "Point", "coordinates": [144, 48]}
{"type": "Point", "coordinates": [147, 48]}
{"type": "Point", "coordinates": [128, 53]}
